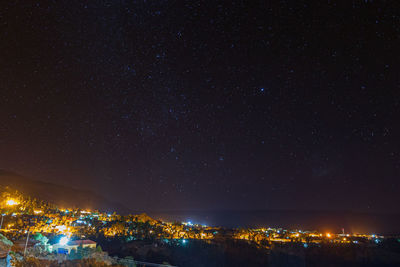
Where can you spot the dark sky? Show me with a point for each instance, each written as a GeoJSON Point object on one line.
{"type": "Point", "coordinates": [206, 105]}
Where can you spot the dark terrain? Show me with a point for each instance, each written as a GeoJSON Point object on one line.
{"type": "Point", "coordinates": [196, 253]}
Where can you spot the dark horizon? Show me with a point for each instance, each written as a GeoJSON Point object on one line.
{"type": "Point", "coordinates": [162, 105]}
{"type": "Point", "coordinates": [321, 221]}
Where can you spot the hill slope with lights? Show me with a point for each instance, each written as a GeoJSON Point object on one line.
{"type": "Point", "coordinates": [148, 239]}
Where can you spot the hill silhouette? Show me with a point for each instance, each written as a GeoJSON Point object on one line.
{"type": "Point", "coordinates": [62, 196]}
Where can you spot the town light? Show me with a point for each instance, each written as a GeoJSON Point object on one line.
{"type": "Point", "coordinates": [12, 202]}
{"type": "Point", "coordinates": [63, 241]}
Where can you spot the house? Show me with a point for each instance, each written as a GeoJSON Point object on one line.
{"type": "Point", "coordinates": [66, 249]}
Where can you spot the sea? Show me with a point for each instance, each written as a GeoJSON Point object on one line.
{"type": "Point", "coordinates": [322, 221]}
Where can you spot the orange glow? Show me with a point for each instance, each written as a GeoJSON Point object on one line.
{"type": "Point", "coordinates": [328, 235]}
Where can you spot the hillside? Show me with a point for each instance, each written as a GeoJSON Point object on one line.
{"type": "Point", "coordinates": [62, 196]}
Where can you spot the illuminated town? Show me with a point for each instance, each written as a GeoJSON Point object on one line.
{"type": "Point", "coordinates": [23, 216]}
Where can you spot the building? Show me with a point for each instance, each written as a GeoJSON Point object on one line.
{"type": "Point", "coordinates": [66, 249]}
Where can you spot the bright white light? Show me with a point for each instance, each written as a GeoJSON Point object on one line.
{"type": "Point", "coordinates": [12, 202]}
{"type": "Point", "coordinates": [184, 241]}
{"type": "Point", "coordinates": [61, 228]}
{"type": "Point", "coordinates": [63, 241]}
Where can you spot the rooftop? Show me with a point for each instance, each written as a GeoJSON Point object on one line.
{"type": "Point", "coordinates": [81, 242]}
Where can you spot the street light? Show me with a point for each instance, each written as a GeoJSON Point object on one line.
{"type": "Point", "coordinates": [26, 244]}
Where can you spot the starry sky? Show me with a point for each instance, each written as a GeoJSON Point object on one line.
{"type": "Point", "coordinates": [205, 105]}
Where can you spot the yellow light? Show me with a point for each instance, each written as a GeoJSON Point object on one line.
{"type": "Point", "coordinates": [12, 202]}
{"type": "Point", "coordinates": [37, 211]}
{"type": "Point", "coordinates": [328, 235]}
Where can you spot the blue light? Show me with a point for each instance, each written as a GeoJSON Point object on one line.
{"type": "Point", "coordinates": [184, 241]}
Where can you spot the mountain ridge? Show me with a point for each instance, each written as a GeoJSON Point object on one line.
{"type": "Point", "coordinates": [60, 195]}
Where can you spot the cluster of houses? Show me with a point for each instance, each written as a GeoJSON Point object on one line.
{"type": "Point", "coordinates": [59, 248]}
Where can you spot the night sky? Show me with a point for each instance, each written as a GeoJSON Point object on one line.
{"type": "Point", "coordinates": [206, 105]}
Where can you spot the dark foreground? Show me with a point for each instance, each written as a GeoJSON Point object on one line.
{"type": "Point", "coordinates": [232, 253]}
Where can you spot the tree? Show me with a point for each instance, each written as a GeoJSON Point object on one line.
{"type": "Point", "coordinates": [73, 255]}
{"type": "Point", "coordinates": [39, 237]}
{"type": "Point", "coordinates": [99, 249]}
